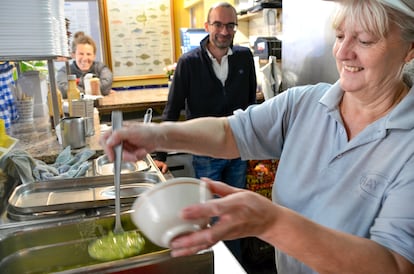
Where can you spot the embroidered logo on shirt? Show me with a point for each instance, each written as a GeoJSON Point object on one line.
{"type": "Point", "coordinates": [373, 184]}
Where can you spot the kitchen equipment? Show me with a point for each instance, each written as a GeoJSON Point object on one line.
{"type": "Point", "coordinates": [84, 108]}
{"type": "Point", "coordinates": [80, 193]}
{"type": "Point", "coordinates": [268, 46]}
{"type": "Point", "coordinates": [62, 248]}
{"type": "Point", "coordinates": [117, 124]}
{"type": "Point", "coordinates": [104, 167]}
{"type": "Point", "coordinates": [74, 131]}
{"type": "Point", "coordinates": [157, 211]}
{"type": "Point", "coordinates": [89, 126]}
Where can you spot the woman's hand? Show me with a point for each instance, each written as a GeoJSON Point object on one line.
{"type": "Point", "coordinates": [241, 213]}
{"type": "Point", "coordinates": [137, 141]}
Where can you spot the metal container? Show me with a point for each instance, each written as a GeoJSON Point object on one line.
{"type": "Point", "coordinates": [79, 193]}
{"type": "Point", "coordinates": [73, 132]}
{"type": "Point", "coordinates": [104, 167]}
{"type": "Point", "coordinates": [63, 248]}
{"type": "Point", "coordinates": [43, 233]}
{"type": "Point", "coordinates": [89, 126]}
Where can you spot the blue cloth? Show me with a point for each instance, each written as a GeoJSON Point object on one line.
{"type": "Point", "coordinates": [8, 111]}
{"type": "Point", "coordinates": [232, 171]}
{"type": "Point", "coordinates": [364, 186]}
{"type": "Point", "coordinates": [21, 165]}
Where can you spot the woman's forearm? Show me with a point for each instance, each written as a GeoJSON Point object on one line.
{"type": "Point", "coordinates": [330, 251]}
{"type": "Point", "coordinates": [205, 136]}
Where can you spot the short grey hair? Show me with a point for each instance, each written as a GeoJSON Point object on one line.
{"type": "Point", "coordinates": [221, 5]}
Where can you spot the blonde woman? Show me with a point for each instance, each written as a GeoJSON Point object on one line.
{"type": "Point", "coordinates": [344, 189]}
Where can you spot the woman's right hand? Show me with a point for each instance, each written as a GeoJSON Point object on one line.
{"type": "Point", "coordinates": [137, 141]}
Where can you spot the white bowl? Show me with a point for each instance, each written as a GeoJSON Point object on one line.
{"type": "Point", "coordinates": [157, 211]}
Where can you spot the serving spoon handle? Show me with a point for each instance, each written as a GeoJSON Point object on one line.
{"type": "Point", "coordinates": [117, 124]}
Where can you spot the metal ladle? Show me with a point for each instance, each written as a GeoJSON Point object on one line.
{"type": "Point", "coordinates": [117, 124]}
{"type": "Point", "coordinates": [119, 244]}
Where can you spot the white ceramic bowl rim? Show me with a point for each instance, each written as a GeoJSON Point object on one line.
{"type": "Point", "coordinates": [169, 183]}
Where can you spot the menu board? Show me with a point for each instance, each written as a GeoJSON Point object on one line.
{"type": "Point", "coordinates": [140, 37]}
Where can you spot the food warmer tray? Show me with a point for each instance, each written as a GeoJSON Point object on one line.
{"type": "Point", "coordinates": [104, 167]}
{"type": "Point", "coordinates": [79, 193]}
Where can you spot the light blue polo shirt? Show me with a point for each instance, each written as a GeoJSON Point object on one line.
{"type": "Point", "coordinates": [364, 187]}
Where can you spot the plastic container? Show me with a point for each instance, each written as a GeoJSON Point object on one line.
{"type": "Point", "coordinates": [25, 109]}
{"type": "Point", "coordinates": [87, 84]}
{"type": "Point", "coordinates": [95, 86]}
{"type": "Point", "coordinates": [33, 86]}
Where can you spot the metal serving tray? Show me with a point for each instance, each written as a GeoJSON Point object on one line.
{"type": "Point", "coordinates": [63, 248]}
{"type": "Point", "coordinates": [104, 167]}
{"type": "Point", "coordinates": [79, 193]}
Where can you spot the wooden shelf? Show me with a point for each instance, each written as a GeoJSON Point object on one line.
{"type": "Point", "coordinates": [248, 16]}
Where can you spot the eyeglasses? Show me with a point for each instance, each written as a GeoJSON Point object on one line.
{"type": "Point", "coordinates": [219, 26]}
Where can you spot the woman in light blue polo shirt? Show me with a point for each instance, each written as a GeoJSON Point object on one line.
{"type": "Point", "coordinates": [344, 190]}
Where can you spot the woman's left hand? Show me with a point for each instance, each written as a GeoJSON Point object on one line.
{"type": "Point", "coordinates": [241, 213]}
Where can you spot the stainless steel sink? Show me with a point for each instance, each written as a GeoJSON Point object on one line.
{"type": "Point", "coordinates": [62, 248]}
